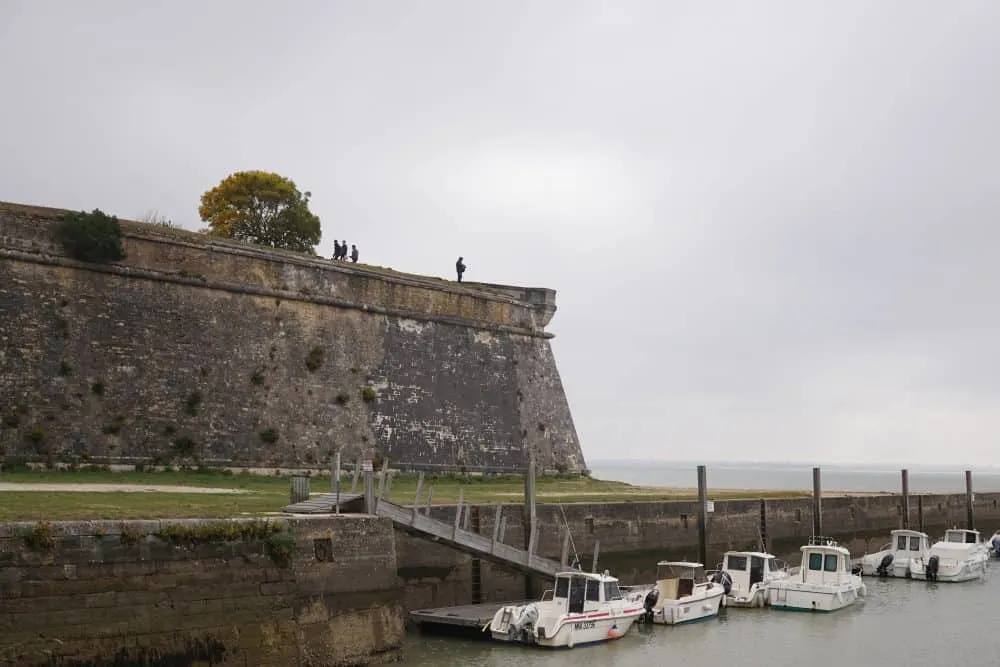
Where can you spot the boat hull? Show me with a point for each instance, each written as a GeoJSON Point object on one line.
{"type": "Point", "coordinates": [574, 631]}
{"type": "Point", "coordinates": [796, 596]}
{"type": "Point", "coordinates": [900, 568]}
{"type": "Point", "coordinates": [678, 612]}
{"type": "Point", "coordinates": [755, 599]}
{"type": "Point", "coordinates": [967, 571]}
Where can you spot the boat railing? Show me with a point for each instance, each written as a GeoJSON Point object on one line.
{"type": "Point", "coordinates": [780, 565]}
{"type": "Point", "coordinates": [820, 540]}
{"type": "Point", "coordinates": [547, 594]}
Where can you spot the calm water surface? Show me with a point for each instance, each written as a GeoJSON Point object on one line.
{"type": "Point", "coordinates": [901, 622]}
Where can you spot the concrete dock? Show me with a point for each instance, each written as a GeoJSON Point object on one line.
{"type": "Point", "coordinates": [466, 616]}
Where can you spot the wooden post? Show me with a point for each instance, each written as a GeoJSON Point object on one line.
{"type": "Point", "coordinates": [388, 484]}
{"type": "Point", "coordinates": [466, 520]}
{"type": "Point", "coordinates": [369, 478]}
{"type": "Point", "coordinates": [529, 493]}
{"type": "Point", "coordinates": [532, 539]}
{"type": "Point", "coordinates": [597, 550]}
{"type": "Point", "coordinates": [496, 528]}
{"type": "Point", "coordinates": [357, 473]}
{"type": "Point", "coordinates": [920, 513]}
{"type": "Point", "coordinates": [416, 499]}
{"type": "Point", "coordinates": [565, 550]}
{"type": "Point", "coordinates": [969, 500]}
{"type": "Point", "coordinates": [458, 512]}
{"type": "Point", "coordinates": [381, 481]}
{"type": "Point", "coordinates": [336, 481]}
{"type": "Point", "coordinates": [906, 497]}
{"type": "Point", "coordinates": [503, 529]}
{"type": "Point", "coordinates": [430, 496]}
{"type": "Point", "coordinates": [817, 502]}
{"type": "Point", "coordinates": [702, 516]}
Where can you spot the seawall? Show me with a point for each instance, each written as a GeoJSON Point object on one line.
{"type": "Point", "coordinates": [195, 348]}
{"type": "Point", "coordinates": [317, 591]}
{"type": "Point", "coordinates": [633, 536]}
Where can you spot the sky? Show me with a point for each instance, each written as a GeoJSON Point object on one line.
{"type": "Point", "coordinates": [770, 224]}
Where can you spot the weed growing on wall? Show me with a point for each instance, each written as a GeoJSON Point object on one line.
{"type": "Point", "coordinates": [65, 369]}
{"type": "Point", "coordinates": [192, 402]}
{"type": "Point", "coordinates": [39, 537]}
{"type": "Point", "coordinates": [36, 435]}
{"type": "Point", "coordinates": [269, 436]}
{"type": "Point", "coordinates": [91, 237]}
{"type": "Point", "coordinates": [190, 536]}
{"type": "Point", "coordinates": [131, 536]}
{"type": "Point", "coordinates": [342, 398]}
{"type": "Point", "coordinates": [185, 446]}
{"type": "Point", "coordinates": [97, 389]}
{"type": "Point", "coordinates": [368, 394]}
{"type": "Point", "coordinates": [114, 426]}
{"type": "Point", "coordinates": [315, 359]}
{"type": "Point", "coordinates": [280, 548]}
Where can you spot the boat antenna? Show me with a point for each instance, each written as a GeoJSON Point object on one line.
{"type": "Point", "coordinates": [576, 557]}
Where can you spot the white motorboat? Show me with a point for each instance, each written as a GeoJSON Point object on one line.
{"type": "Point", "coordinates": [994, 543]}
{"type": "Point", "coordinates": [583, 608]}
{"type": "Point", "coordinates": [895, 559]}
{"type": "Point", "coordinates": [824, 583]}
{"type": "Point", "coordinates": [960, 556]}
{"type": "Point", "coordinates": [682, 594]}
{"type": "Point", "coordinates": [744, 576]}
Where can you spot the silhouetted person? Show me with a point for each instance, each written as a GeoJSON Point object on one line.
{"type": "Point", "coordinates": [459, 269]}
{"type": "Point", "coordinates": [343, 249]}
{"type": "Point", "coordinates": [336, 249]}
{"type": "Point", "coordinates": [354, 253]}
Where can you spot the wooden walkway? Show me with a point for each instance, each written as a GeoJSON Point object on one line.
{"type": "Point", "coordinates": [452, 534]}
{"type": "Point", "coordinates": [491, 549]}
{"type": "Point", "coordinates": [325, 504]}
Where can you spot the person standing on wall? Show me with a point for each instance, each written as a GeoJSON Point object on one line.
{"type": "Point", "coordinates": [354, 253]}
{"type": "Point", "coordinates": [336, 249]}
{"type": "Point", "coordinates": [459, 269]}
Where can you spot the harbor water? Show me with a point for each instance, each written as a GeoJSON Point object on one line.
{"type": "Point", "coordinates": [900, 622]}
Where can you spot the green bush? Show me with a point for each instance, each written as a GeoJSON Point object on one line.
{"type": "Point", "coordinates": [91, 237]}
{"type": "Point", "coordinates": [368, 394]}
{"type": "Point", "coordinates": [269, 436]}
{"type": "Point", "coordinates": [315, 359]}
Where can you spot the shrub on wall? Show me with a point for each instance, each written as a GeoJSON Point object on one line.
{"type": "Point", "coordinates": [91, 237]}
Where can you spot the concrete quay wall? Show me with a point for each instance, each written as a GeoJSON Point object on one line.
{"type": "Point", "coordinates": [301, 591]}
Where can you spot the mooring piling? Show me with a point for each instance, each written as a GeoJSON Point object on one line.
{"type": "Point", "coordinates": [906, 497]}
{"type": "Point", "coordinates": [817, 502]}
{"type": "Point", "coordinates": [702, 515]}
{"type": "Point", "coordinates": [970, 498]}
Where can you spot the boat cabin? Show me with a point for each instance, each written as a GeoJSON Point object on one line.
{"type": "Point", "coordinates": [584, 591]}
{"type": "Point", "coordinates": [912, 541]}
{"type": "Point", "coordinates": [676, 579]}
{"type": "Point", "coordinates": [962, 535]}
{"type": "Point", "coordinates": [749, 567]}
{"type": "Point", "coordinates": [824, 562]}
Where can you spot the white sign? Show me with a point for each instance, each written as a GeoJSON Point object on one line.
{"type": "Point", "coordinates": [709, 506]}
{"type": "Point", "coordinates": [366, 465]}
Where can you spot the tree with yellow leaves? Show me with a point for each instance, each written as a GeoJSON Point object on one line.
{"type": "Point", "coordinates": [262, 208]}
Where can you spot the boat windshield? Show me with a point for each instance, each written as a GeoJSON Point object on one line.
{"type": "Point", "coordinates": [674, 571]}
{"type": "Point", "coordinates": [611, 591]}
{"type": "Point", "coordinates": [960, 536]}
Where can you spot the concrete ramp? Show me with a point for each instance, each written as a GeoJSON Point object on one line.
{"type": "Point", "coordinates": [326, 504]}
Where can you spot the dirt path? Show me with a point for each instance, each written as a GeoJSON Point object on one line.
{"type": "Point", "coordinates": [105, 488]}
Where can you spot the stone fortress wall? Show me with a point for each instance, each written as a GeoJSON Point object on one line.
{"type": "Point", "coordinates": [238, 355]}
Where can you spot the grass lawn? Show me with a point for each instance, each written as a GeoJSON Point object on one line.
{"type": "Point", "coordinates": [261, 494]}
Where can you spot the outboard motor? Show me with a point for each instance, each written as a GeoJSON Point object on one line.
{"type": "Point", "coordinates": [723, 577]}
{"type": "Point", "coordinates": [995, 542]}
{"type": "Point", "coordinates": [932, 568]}
{"type": "Point", "coordinates": [524, 625]}
{"type": "Point", "coordinates": [648, 604]}
{"type": "Point", "coordinates": [883, 568]}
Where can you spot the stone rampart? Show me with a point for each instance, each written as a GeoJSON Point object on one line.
{"type": "Point", "coordinates": [198, 348]}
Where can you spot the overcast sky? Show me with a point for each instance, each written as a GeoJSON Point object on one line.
{"type": "Point", "coordinates": [771, 224]}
